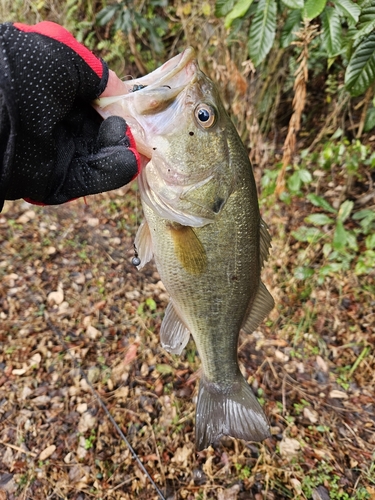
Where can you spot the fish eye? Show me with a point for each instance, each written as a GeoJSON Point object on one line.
{"type": "Point", "coordinates": [205, 115]}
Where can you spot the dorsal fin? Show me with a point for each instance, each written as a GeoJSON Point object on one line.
{"type": "Point", "coordinates": [143, 244]}
{"type": "Point", "coordinates": [173, 333]}
{"type": "Point", "coordinates": [262, 306]}
{"type": "Point", "coordinates": [264, 242]}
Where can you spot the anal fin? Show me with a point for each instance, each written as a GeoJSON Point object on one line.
{"type": "Point", "coordinates": [262, 306]}
{"type": "Point", "coordinates": [173, 333]}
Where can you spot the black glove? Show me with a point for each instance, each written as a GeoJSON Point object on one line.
{"type": "Point", "coordinates": [55, 147]}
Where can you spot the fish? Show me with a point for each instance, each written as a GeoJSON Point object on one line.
{"type": "Point", "coordinates": [204, 230]}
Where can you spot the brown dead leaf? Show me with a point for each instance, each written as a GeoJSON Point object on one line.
{"type": "Point", "coordinates": [311, 415]}
{"type": "Point", "coordinates": [92, 332]}
{"type": "Point", "coordinates": [289, 447]}
{"type": "Point", "coordinates": [322, 364]}
{"type": "Point", "coordinates": [229, 494]}
{"type": "Point", "coordinates": [86, 422]}
{"type": "Point", "coordinates": [182, 454]}
{"type": "Point", "coordinates": [338, 394]}
{"type": "Point", "coordinates": [56, 297]}
{"type": "Point", "coordinates": [47, 452]}
{"type": "Point", "coordinates": [131, 353]}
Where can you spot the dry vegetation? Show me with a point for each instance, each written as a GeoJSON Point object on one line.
{"type": "Point", "coordinates": [73, 262]}
{"type": "Point", "coordinates": [75, 312]}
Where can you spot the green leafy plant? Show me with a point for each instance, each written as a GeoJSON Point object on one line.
{"type": "Point", "coordinates": [346, 30]}
{"type": "Point", "coordinates": [142, 29]}
{"type": "Point", "coordinates": [343, 238]}
{"type": "Point", "coordinates": [89, 442]}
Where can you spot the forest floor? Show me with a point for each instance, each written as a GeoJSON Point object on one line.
{"type": "Point", "coordinates": [75, 311]}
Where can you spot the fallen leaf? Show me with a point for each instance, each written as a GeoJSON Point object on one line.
{"type": "Point", "coordinates": [26, 217]}
{"type": "Point", "coordinates": [289, 447]}
{"type": "Point", "coordinates": [92, 332]}
{"type": "Point", "coordinates": [230, 494]}
{"type": "Point", "coordinates": [20, 371]}
{"type": "Point", "coordinates": [82, 407]}
{"type": "Point", "coordinates": [131, 353]}
{"type": "Point", "coordinates": [182, 454]}
{"type": "Point", "coordinates": [56, 297]}
{"type": "Point", "coordinates": [47, 452]}
{"type": "Point", "coordinates": [338, 394]}
{"type": "Point", "coordinates": [86, 422]}
{"type": "Point", "coordinates": [281, 356]}
{"type": "Point", "coordinates": [296, 485]}
{"type": "Point", "coordinates": [311, 415]}
{"type": "Point", "coordinates": [36, 359]}
{"type": "Point", "coordinates": [322, 364]}
{"type": "Point", "coordinates": [93, 221]}
{"type": "Point", "coordinates": [26, 391]}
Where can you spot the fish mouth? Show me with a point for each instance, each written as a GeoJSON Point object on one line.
{"type": "Point", "coordinates": [145, 97]}
{"type": "Point", "coordinates": [166, 73]}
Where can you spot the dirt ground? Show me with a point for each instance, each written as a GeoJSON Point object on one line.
{"type": "Point", "coordinates": [71, 301]}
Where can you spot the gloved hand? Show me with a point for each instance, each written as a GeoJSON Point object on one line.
{"type": "Point", "coordinates": [61, 148]}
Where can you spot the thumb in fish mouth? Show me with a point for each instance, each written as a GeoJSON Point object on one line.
{"type": "Point", "coordinates": [234, 413]}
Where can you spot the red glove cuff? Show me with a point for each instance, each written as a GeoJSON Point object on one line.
{"type": "Point", "coordinates": [133, 149]}
{"type": "Point", "coordinates": [60, 34]}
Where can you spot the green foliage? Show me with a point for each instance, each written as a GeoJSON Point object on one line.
{"type": "Point", "coordinates": [346, 31]}
{"type": "Point", "coordinates": [262, 30]}
{"type": "Point", "coordinates": [244, 471]}
{"type": "Point", "coordinates": [239, 10]}
{"type": "Point", "coordinates": [126, 17]}
{"type": "Point", "coordinates": [324, 474]}
{"type": "Point", "coordinates": [343, 238]}
{"type": "Point", "coordinates": [313, 8]}
{"type": "Point", "coordinates": [90, 441]}
{"type": "Point", "coordinates": [360, 73]}
{"type": "Point", "coordinates": [148, 23]}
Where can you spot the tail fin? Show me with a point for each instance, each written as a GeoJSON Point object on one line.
{"type": "Point", "coordinates": [235, 412]}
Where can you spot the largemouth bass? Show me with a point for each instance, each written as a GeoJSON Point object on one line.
{"type": "Point", "coordinates": [203, 228]}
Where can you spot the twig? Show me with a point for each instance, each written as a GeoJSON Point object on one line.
{"type": "Point", "coordinates": [283, 395]}
{"type": "Point", "coordinates": [17, 448]}
{"type": "Point", "coordinates": [367, 99]}
{"type": "Point", "coordinates": [106, 411]}
{"type": "Point", "coordinates": [123, 483]}
{"type": "Point", "coordinates": [334, 113]}
{"type": "Point", "coordinates": [363, 354]}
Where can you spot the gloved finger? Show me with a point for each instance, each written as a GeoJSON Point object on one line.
{"type": "Point", "coordinates": [111, 168]}
{"type": "Point", "coordinates": [114, 131]}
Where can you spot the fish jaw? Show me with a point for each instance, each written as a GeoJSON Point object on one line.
{"type": "Point", "coordinates": [234, 412]}
{"type": "Point", "coordinates": [155, 90]}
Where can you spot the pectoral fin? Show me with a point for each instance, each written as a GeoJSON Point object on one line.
{"type": "Point", "coordinates": [262, 306]}
{"type": "Point", "coordinates": [189, 249]}
{"type": "Point", "coordinates": [143, 244]}
{"type": "Point", "coordinates": [173, 333]}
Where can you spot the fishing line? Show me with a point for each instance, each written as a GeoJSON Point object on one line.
{"type": "Point", "coordinates": [136, 260]}
{"type": "Point", "coordinates": [103, 406]}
